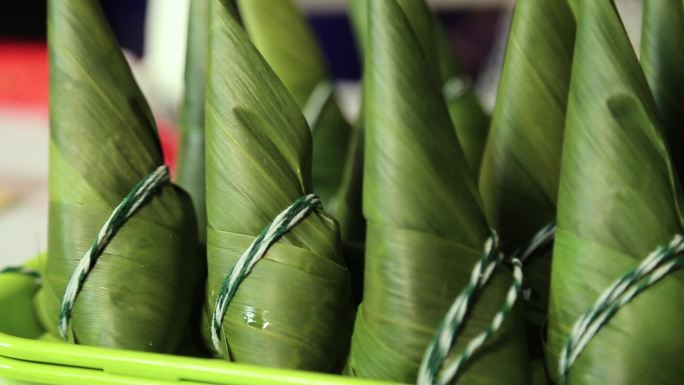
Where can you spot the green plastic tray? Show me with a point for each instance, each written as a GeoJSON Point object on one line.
{"type": "Point", "coordinates": [24, 358]}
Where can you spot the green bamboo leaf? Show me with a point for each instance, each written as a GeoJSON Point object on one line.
{"type": "Point", "coordinates": [426, 228]}
{"type": "Point", "coordinates": [467, 115]}
{"type": "Point", "coordinates": [539, 372]}
{"type": "Point", "coordinates": [471, 124]}
{"type": "Point", "coordinates": [469, 119]}
{"type": "Point", "coordinates": [348, 210]}
{"type": "Point", "coordinates": [424, 26]}
{"type": "Point", "coordinates": [662, 59]}
{"type": "Point", "coordinates": [357, 19]}
{"type": "Point", "coordinates": [617, 202]}
{"type": "Point", "coordinates": [422, 22]}
{"type": "Point", "coordinates": [331, 148]}
{"type": "Point", "coordinates": [349, 201]}
{"type": "Point", "coordinates": [190, 172]}
{"type": "Point", "coordinates": [284, 38]}
{"type": "Point", "coordinates": [449, 67]}
{"type": "Point", "coordinates": [282, 35]}
{"type": "Point", "coordinates": [294, 310]}
{"type": "Point", "coordinates": [521, 163]}
{"type": "Point", "coordinates": [102, 142]}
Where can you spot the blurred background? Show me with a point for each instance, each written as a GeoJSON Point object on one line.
{"type": "Point", "coordinates": [153, 35]}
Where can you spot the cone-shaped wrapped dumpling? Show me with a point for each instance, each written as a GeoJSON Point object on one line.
{"type": "Point", "coordinates": [426, 228]}
{"type": "Point", "coordinates": [294, 309]}
{"type": "Point", "coordinates": [468, 118]}
{"type": "Point", "coordinates": [617, 202]}
{"type": "Point", "coordinates": [103, 142]}
{"type": "Point", "coordinates": [283, 36]}
{"type": "Point", "coordinates": [662, 58]}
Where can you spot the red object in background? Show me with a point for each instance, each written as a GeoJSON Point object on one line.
{"type": "Point", "coordinates": [24, 87]}
{"type": "Point", "coordinates": [168, 136]}
{"type": "Point", "coordinates": [23, 75]}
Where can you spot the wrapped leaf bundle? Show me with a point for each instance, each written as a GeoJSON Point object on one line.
{"type": "Point", "coordinates": [294, 309]}
{"type": "Point", "coordinates": [284, 38]}
{"type": "Point", "coordinates": [467, 115]}
{"type": "Point", "coordinates": [426, 229]}
{"type": "Point", "coordinates": [662, 59]}
{"type": "Point", "coordinates": [521, 163]}
{"type": "Point", "coordinates": [618, 201]}
{"type": "Point", "coordinates": [102, 143]}
{"type": "Point", "coordinates": [190, 172]}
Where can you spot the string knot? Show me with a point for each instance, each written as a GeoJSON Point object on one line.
{"type": "Point", "coordinates": [434, 370]}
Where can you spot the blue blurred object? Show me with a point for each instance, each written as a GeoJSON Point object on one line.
{"type": "Point", "coordinates": [127, 19]}
{"type": "Point", "coordinates": [335, 37]}
{"type": "Point", "coordinates": [472, 34]}
{"type": "Point", "coordinates": [25, 20]}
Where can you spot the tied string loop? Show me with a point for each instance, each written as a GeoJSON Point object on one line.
{"type": "Point", "coordinates": [539, 240]}
{"type": "Point", "coordinates": [661, 262]}
{"type": "Point", "coordinates": [283, 223]}
{"type": "Point", "coordinates": [138, 196]}
{"type": "Point", "coordinates": [434, 369]}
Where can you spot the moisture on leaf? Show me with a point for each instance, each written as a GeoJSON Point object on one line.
{"type": "Point", "coordinates": [294, 309]}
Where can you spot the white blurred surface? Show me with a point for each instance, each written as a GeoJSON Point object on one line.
{"type": "Point", "coordinates": [161, 72]}
{"type": "Point", "coordinates": [23, 186]}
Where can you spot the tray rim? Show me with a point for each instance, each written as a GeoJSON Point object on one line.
{"type": "Point", "coordinates": [17, 353]}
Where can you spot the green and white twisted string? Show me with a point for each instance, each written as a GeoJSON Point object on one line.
{"type": "Point", "coordinates": [283, 223]}
{"type": "Point", "coordinates": [434, 369]}
{"type": "Point", "coordinates": [541, 238]}
{"type": "Point", "coordinates": [657, 265]}
{"type": "Point", "coordinates": [138, 196]}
